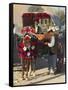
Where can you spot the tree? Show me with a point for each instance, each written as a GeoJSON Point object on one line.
{"type": "Point", "coordinates": [35, 9]}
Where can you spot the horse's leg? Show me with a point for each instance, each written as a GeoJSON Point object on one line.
{"type": "Point", "coordinates": [23, 68]}
{"type": "Point", "coordinates": [27, 68]}
{"type": "Point", "coordinates": [30, 68]}
{"type": "Point", "coordinates": [34, 65]}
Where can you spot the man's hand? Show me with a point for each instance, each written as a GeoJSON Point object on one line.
{"type": "Point", "coordinates": [46, 43]}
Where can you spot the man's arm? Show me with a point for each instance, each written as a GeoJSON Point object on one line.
{"type": "Point", "coordinates": [52, 43]}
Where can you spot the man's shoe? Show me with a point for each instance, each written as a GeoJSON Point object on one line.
{"type": "Point", "coordinates": [51, 71]}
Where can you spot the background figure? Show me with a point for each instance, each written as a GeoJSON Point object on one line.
{"type": "Point", "coordinates": [39, 31]}
{"type": "Point", "coordinates": [60, 52]}
{"type": "Point", "coordinates": [52, 58]}
{"type": "Point", "coordinates": [60, 56]}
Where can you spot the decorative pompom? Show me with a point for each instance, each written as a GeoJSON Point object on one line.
{"type": "Point", "coordinates": [28, 54]}
{"type": "Point", "coordinates": [25, 48]}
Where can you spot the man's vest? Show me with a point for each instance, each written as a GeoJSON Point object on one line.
{"type": "Point", "coordinates": [53, 50]}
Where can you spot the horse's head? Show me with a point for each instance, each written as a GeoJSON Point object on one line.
{"type": "Point", "coordinates": [29, 31]}
{"type": "Point", "coordinates": [27, 40]}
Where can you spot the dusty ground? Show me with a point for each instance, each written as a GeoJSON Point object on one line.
{"type": "Point", "coordinates": [40, 78]}
{"type": "Point", "coordinates": [41, 75]}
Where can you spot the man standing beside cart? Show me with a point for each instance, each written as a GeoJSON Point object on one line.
{"type": "Point", "coordinates": [52, 52]}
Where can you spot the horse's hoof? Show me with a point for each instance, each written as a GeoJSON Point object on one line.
{"type": "Point", "coordinates": [26, 79]}
{"type": "Point", "coordinates": [34, 74]}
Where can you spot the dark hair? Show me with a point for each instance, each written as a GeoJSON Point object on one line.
{"type": "Point", "coordinates": [50, 31]}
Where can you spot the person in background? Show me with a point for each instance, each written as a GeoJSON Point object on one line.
{"type": "Point", "coordinates": [52, 58]}
{"type": "Point", "coordinates": [60, 56]}
{"type": "Point", "coordinates": [39, 29]}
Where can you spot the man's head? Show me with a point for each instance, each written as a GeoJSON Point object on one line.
{"type": "Point", "coordinates": [51, 33]}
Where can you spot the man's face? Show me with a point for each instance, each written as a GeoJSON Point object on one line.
{"type": "Point", "coordinates": [51, 33]}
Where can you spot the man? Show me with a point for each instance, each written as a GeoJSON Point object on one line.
{"type": "Point", "coordinates": [52, 52]}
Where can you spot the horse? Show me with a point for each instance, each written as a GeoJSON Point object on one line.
{"type": "Point", "coordinates": [28, 53]}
